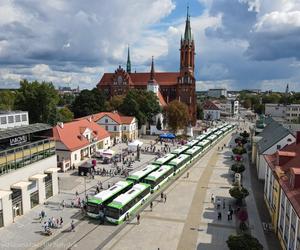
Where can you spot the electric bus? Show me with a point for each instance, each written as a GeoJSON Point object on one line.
{"type": "Point", "coordinates": [163, 160]}
{"type": "Point", "coordinates": [159, 177]}
{"type": "Point", "coordinates": [138, 176]}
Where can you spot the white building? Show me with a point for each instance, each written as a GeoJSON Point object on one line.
{"type": "Point", "coordinates": [228, 107]}
{"type": "Point", "coordinates": [275, 110]}
{"type": "Point", "coordinates": [211, 111]}
{"type": "Point", "coordinates": [28, 172]}
{"type": "Point", "coordinates": [293, 112]}
{"type": "Point", "coordinates": [77, 141]}
{"type": "Point", "coordinates": [12, 119]}
{"type": "Point", "coordinates": [217, 93]}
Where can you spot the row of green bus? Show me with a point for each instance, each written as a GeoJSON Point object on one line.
{"type": "Point", "coordinates": [125, 197]}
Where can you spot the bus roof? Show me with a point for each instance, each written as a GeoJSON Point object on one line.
{"type": "Point", "coordinates": [141, 173]}
{"type": "Point", "coordinates": [203, 143]}
{"type": "Point", "coordinates": [106, 194]}
{"type": "Point", "coordinates": [180, 150]}
{"type": "Point", "coordinates": [193, 150]}
{"type": "Point", "coordinates": [219, 132]}
{"type": "Point", "coordinates": [123, 199]}
{"type": "Point", "coordinates": [201, 137]}
{"type": "Point", "coordinates": [192, 143]}
{"type": "Point", "coordinates": [164, 159]}
{"type": "Point", "coordinates": [212, 137]}
{"type": "Point", "coordinates": [158, 173]}
{"type": "Point", "coordinates": [178, 159]}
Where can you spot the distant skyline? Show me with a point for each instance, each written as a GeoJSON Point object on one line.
{"type": "Point", "coordinates": [240, 44]}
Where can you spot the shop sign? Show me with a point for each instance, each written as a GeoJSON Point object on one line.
{"type": "Point", "coordinates": [18, 140]}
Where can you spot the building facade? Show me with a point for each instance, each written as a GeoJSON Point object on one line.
{"type": "Point", "coordinates": [217, 93]}
{"type": "Point", "coordinates": [77, 141]}
{"type": "Point", "coordinates": [172, 85]}
{"type": "Point", "coordinates": [289, 112]}
{"type": "Point", "coordinates": [12, 119]}
{"type": "Point", "coordinates": [211, 111]}
{"type": "Point", "coordinates": [28, 172]}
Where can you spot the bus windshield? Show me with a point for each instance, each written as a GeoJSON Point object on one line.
{"type": "Point", "coordinates": [112, 212]}
{"type": "Point", "coordinates": [94, 208]}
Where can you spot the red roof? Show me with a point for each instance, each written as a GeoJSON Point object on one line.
{"type": "Point", "coordinates": [161, 99]}
{"type": "Point", "coordinates": [70, 134]}
{"type": "Point", "coordinates": [208, 105]}
{"type": "Point", "coordinates": [162, 78]}
{"type": "Point", "coordinates": [120, 119]}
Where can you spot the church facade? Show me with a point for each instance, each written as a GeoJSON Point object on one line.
{"type": "Point", "coordinates": [168, 86]}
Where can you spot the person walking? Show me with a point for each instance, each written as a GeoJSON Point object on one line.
{"type": "Point", "coordinates": [212, 198]}
{"type": "Point", "coordinates": [187, 175]}
{"type": "Point", "coordinates": [218, 203]}
{"type": "Point", "coordinates": [161, 196]}
{"type": "Point", "coordinates": [138, 218]}
{"type": "Point", "coordinates": [165, 197]}
{"type": "Point", "coordinates": [219, 216]}
{"type": "Point", "coordinates": [61, 222]}
{"type": "Point", "coordinates": [63, 204]}
{"type": "Point", "coordinates": [151, 206]}
{"type": "Point", "coordinates": [72, 226]}
{"type": "Point", "coordinates": [228, 215]}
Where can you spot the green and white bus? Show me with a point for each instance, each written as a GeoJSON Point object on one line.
{"type": "Point", "coordinates": [126, 203]}
{"type": "Point", "coordinates": [138, 176]}
{"type": "Point", "coordinates": [163, 160]}
{"type": "Point", "coordinates": [96, 204]}
{"type": "Point", "coordinates": [180, 162]}
{"type": "Point", "coordinates": [212, 138]}
{"type": "Point", "coordinates": [219, 133]}
{"type": "Point", "coordinates": [201, 137]}
{"type": "Point", "coordinates": [179, 150]}
{"type": "Point", "coordinates": [192, 143]}
{"type": "Point", "coordinates": [194, 152]}
{"type": "Point", "coordinates": [159, 177]}
{"type": "Point", "coordinates": [204, 144]}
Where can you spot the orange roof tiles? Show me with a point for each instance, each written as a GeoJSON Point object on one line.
{"type": "Point", "coordinates": [70, 134]}
{"type": "Point", "coordinates": [120, 119]}
{"type": "Point", "coordinates": [208, 105]}
{"type": "Point", "coordinates": [162, 78]}
{"type": "Point", "coordinates": [161, 99]}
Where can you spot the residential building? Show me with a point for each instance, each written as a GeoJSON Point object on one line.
{"type": "Point", "coordinates": [282, 193]}
{"type": "Point", "coordinates": [28, 169]}
{"type": "Point", "coordinates": [228, 107]}
{"type": "Point", "coordinates": [293, 113]}
{"type": "Point", "coordinates": [211, 111]}
{"type": "Point", "coordinates": [120, 127]}
{"type": "Point", "coordinates": [272, 138]}
{"type": "Point", "coordinates": [76, 141]}
{"type": "Point", "coordinates": [10, 119]}
{"type": "Point", "coordinates": [179, 85]}
{"type": "Point", "coordinates": [275, 110]}
{"type": "Point", "coordinates": [217, 93]}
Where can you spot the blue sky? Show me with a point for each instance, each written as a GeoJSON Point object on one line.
{"type": "Point", "coordinates": [239, 43]}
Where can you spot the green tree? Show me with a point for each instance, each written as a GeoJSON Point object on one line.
{"type": "Point", "coordinates": [243, 241]}
{"type": "Point", "coordinates": [115, 103]}
{"type": "Point", "coordinates": [239, 193]}
{"type": "Point", "coordinates": [65, 115]}
{"type": "Point", "coordinates": [238, 168]}
{"type": "Point", "coordinates": [177, 115]}
{"type": "Point", "coordinates": [200, 113]}
{"type": "Point", "coordinates": [39, 99]}
{"type": "Point", "coordinates": [7, 100]}
{"type": "Point", "coordinates": [88, 102]}
{"type": "Point", "coordinates": [158, 124]}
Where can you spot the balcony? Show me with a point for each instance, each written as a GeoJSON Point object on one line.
{"type": "Point", "coordinates": [19, 157]}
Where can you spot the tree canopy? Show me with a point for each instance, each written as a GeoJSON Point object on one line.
{"type": "Point", "coordinates": [65, 115]}
{"type": "Point", "coordinates": [177, 115]}
{"type": "Point", "coordinates": [243, 241]}
{"type": "Point", "coordinates": [115, 103]}
{"type": "Point", "coordinates": [39, 99]}
{"type": "Point", "coordinates": [238, 193]}
{"type": "Point", "coordinates": [88, 102]}
{"type": "Point", "coordinates": [7, 100]}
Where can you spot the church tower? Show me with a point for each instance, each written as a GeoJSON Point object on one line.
{"type": "Point", "coordinates": [152, 83]}
{"type": "Point", "coordinates": [128, 65]}
{"type": "Point", "coordinates": [186, 82]}
{"type": "Point", "coordinates": [187, 49]}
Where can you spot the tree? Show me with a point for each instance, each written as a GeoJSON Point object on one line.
{"type": "Point", "coordinates": [239, 150]}
{"type": "Point", "coordinates": [88, 102]}
{"type": "Point", "coordinates": [158, 124]}
{"type": "Point", "coordinates": [239, 193]}
{"type": "Point", "coordinates": [177, 115]}
{"type": "Point", "coordinates": [245, 134]}
{"type": "Point", "coordinates": [243, 241]}
{"type": "Point", "coordinates": [65, 115]}
{"type": "Point", "coordinates": [238, 168]}
{"type": "Point", "coordinates": [115, 103]}
{"type": "Point", "coordinates": [7, 100]}
{"type": "Point", "coordinates": [39, 99]}
{"type": "Point", "coordinates": [200, 113]}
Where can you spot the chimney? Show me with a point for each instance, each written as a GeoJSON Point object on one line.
{"type": "Point", "coordinates": [60, 124]}
{"type": "Point", "coordinates": [298, 137]}
{"type": "Point", "coordinates": [90, 118]}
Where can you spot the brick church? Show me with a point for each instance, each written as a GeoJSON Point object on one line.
{"type": "Point", "coordinates": [168, 86]}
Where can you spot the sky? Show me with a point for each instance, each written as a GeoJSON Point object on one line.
{"type": "Point", "coordinates": [240, 44]}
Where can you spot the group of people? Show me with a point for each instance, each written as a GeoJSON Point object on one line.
{"type": "Point", "coordinates": [218, 203]}
{"type": "Point", "coordinates": [51, 223]}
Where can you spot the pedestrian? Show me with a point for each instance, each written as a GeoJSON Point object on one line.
{"type": "Point", "coordinates": [187, 175]}
{"type": "Point", "coordinates": [63, 204]}
{"type": "Point", "coordinates": [223, 203]}
{"type": "Point", "coordinates": [61, 222]}
{"type": "Point", "coordinates": [231, 213]}
{"type": "Point", "coordinates": [138, 218]}
{"type": "Point", "coordinates": [72, 226]}
{"type": "Point", "coordinates": [212, 198]}
{"type": "Point", "coordinates": [218, 203]}
{"type": "Point", "coordinates": [76, 193]}
{"type": "Point", "coordinates": [165, 196]}
{"type": "Point", "coordinates": [228, 215]}
{"type": "Point", "coordinates": [219, 216]}
{"type": "Point", "coordinates": [161, 196]}
{"type": "Point", "coordinates": [151, 206]}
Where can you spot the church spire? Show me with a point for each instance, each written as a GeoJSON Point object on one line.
{"type": "Point", "coordinates": [188, 31]}
{"type": "Point", "coordinates": [152, 72]}
{"type": "Point", "coordinates": [128, 65]}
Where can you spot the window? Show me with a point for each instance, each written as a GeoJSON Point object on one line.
{"type": "Point", "coordinates": [24, 118]}
{"type": "Point", "coordinates": [10, 119]}
{"type": "Point", "coordinates": [106, 127]}
{"type": "Point", "coordinates": [106, 120]}
{"type": "Point", "coordinates": [75, 157]}
{"type": "Point", "coordinates": [115, 128]}
{"type": "Point", "coordinates": [278, 146]}
{"type": "Point", "coordinates": [3, 120]}
{"type": "Point", "coordinates": [124, 127]}
{"type": "Point", "coordinates": [18, 118]}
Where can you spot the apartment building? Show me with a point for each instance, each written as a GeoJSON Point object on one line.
{"type": "Point", "coordinates": [10, 119]}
